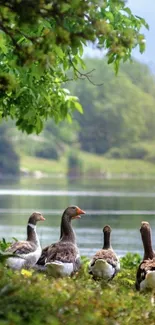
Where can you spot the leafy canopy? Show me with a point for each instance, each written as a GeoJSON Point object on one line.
{"type": "Point", "coordinates": [41, 40]}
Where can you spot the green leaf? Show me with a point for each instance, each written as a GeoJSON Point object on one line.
{"type": "Point", "coordinates": [39, 125]}
{"type": "Point", "coordinates": [128, 10]}
{"type": "Point", "coordinates": [142, 47]}
{"type": "Point", "coordinates": [3, 46]}
{"type": "Point", "coordinates": [65, 65]}
{"type": "Point", "coordinates": [116, 65]}
{"type": "Point", "coordinates": [59, 51]}
{"type": "Point", "coordinates": [48, 99]}
{"type": "Point", "coordinates": [30, 114]}
{"type": "Point", "coordinates": [21, 90]}
{"type": "Point", "coordinates": [110, 16]}
{"type": "Point", "coordinates": [65, 7]}
{"type": "Point", "coordinates": [81, 49]}
{"type": "Point", "coordinates": [111, 58]}
{"type": "Point", "coordinates": [15, 239]}
{"type": "Point", "coordinates": [69, 118]}
{"type": "Point", "coordinates": [78, 106]}
{"type": "Point", "coordinates": [46, 23]}
{"type": "Point", "coordinates": [21, 40]}
{"type": "Point", "coordinates": [143, 21]}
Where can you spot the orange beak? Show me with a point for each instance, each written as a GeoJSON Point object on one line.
{"type": "Point", "coordinates": [42, 218]}
{"type": "Point", "coordinates": [78, 211]}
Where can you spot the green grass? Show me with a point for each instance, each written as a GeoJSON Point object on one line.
{"type": "Point", "coordinates": [33, 164]}
{"type": "Point", "coordinates": [92, 165]}
{"type": "Point", "coordinates": [34, 299]}
{"type": "Point", "coordinates": [150, 145]}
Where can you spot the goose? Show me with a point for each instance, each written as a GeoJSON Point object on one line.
{"type": "Point", "coordinates": [63, 258]}
{"type": "Point", "coordinates": [145, 277]}
{"type": "Point", "coordinates": [28, 251]}
{"type": "Point", "coordinates": [105, 263]}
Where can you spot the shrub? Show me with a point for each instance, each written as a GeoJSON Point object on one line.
{"type": "Point", "coordinates": [129, 261]}
{"type": "Point", "coordinates": [4, 244]}
{"type": "Point", "coordinates": [74, 164]}
{"type": "Point", "coordinates": [129, 152]}
{"type": "Point", "coordinates": [115, 153]}
{"type": "Point", "coordinates": [9, 160]}
{"type": "Point", "coordinates": [48, 151]}
{"type": "Point", "coordinates": [137, 152]}
{"type": "Point", "coordinates": [29, 298]}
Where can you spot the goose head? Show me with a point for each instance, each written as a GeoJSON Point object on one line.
{"type": "Point", "coordinates": [35, 217]}
{"type": "Point", "coordinates": [107, 229]}
{"type": "Point", "coordinates": [73, 212]}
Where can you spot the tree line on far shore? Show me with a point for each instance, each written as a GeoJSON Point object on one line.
{"type": "Point", "coordinates": [118, 119]}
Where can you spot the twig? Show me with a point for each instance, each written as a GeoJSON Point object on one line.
{"type": "Point", "coordinates": [61, 81]}
{"type": "Point", "coordinates": [82, 75]}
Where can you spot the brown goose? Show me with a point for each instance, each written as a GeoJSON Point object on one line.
{"type": "Point", "coordinates": [145, 277]}
{"type": "Point", "coordinates": [30, 249]}
{"type": "Point", "coordinates": [105, 263]}
{"type": "Point", "coordinates": [63, 258]}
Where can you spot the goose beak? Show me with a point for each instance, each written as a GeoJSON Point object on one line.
{"type": "Point", "coordinates": [42, 218]}
{"type": "Point", "coordinates": [78, 211]}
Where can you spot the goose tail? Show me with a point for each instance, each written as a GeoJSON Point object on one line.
{"type": "Point", "coordinates": [59, 269]}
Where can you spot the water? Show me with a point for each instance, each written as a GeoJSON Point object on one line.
{"type": "Point", "coordinates": [122, 204]}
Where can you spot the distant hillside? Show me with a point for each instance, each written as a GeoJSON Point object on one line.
{"type": "Point", "coordinates": [118, 120]}
{"type": "Point", "coordinates": [121, 112]}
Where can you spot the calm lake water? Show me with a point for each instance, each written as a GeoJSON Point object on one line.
{"type": "Point", "coordinates": [122, 204]}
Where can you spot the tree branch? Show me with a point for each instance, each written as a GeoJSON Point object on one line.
{"type": "Point", "coordinates": [81, 75]}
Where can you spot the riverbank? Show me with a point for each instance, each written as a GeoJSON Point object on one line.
{"type": "Point", "coordinates": [90, 165]}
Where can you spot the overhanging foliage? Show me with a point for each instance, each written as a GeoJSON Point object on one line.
{"type": "Point", "coordinates": [41, 40]}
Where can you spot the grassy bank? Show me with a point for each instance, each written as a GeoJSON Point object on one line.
{"type": "Point", "coordinates": [34, 299]}
{"type": "Point", "coordinates": [91, 165]}
{"type": "Point", "coordinates": [46, 166]}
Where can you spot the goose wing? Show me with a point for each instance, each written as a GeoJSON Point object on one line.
{"type": "Point", "coordinates": [65, 252]}
{"type": "Point", "coordinates": [105, 254]}
{"type": "Point", "coordinates": [22, 247]}
{"type": "Point", "coordinates": [144, 267]}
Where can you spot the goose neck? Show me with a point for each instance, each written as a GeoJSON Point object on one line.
{"type": "Point", "coordinates": [106, 241]}
{"type": "Point", "coordinates": [32, 234]}
{"type": "Point", "coordinates": [66, 230]}
{"type": "Point", "coordinates": [147, 243]}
